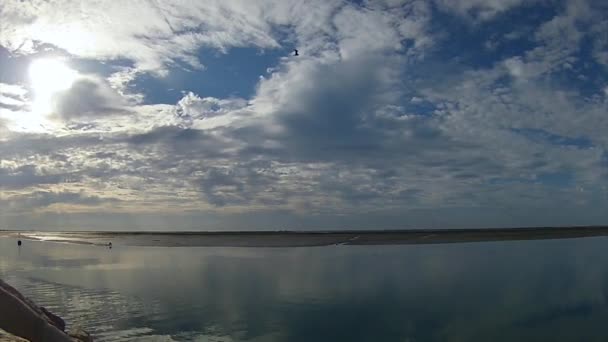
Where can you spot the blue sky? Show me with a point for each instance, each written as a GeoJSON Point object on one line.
{"type": "Point", "coordinates": [396, 114]}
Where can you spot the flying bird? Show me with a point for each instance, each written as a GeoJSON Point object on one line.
{"type": "Point", "coordinates": [295, 52]}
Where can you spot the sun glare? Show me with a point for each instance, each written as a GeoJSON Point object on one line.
{"type": "Point", "coordinates": [49, 77]}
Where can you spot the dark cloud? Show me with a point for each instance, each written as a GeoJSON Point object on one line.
{"type": "Point", "coordinates": [169, 134]}
{"type": "Point", "coordinates": [89, 97]}
{"type": "Point", "coordinates": [327, 111]}
{"type": "Point", "coordinates": [222, 187]}
{"type": "Point", "coordinates": [27, 144]}
{"type": "Point", "coordinates": [241, 184]}
{"type": "Point", "coordinates": [337, 112]}
{"type": "Point", "coordinates": [172, 145]}
{"type": "Point", "coordinates": [29, 175]}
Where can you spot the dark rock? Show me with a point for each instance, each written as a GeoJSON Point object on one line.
{"type": "Point", "coordinates": [21, 317]}
{"type": "Point", "coordinates": [56, 320]}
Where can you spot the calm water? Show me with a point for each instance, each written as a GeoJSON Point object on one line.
{"type": "Point", "coordinates": [554, 290]}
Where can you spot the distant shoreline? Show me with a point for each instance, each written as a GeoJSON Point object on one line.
{"type": "Point", "coordinates": [320, 231]}
{"type": "Point", "coordinates": [308, 238]}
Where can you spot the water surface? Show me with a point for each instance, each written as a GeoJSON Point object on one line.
{"type": "Point", "coordinates": [546, 290]}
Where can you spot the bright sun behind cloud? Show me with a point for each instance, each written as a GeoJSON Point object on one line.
{"type": "Point", "coordinates": [48, 77]}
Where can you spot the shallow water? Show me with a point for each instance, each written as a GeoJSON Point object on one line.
{"type": "Point", "coordinates": [551, 290]}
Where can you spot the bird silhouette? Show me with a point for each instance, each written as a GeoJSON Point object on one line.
{"type": "Point", "coordinates": [295, 52]}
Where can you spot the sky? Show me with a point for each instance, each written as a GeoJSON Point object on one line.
{"type": "Point", "coordinates": [181, 115]}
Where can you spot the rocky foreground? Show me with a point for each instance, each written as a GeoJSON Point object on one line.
{"type": "Point", "coordinates": [22, 320]}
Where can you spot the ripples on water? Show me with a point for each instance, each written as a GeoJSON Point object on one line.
{"type": "Point", "coordinates": [101, 311]}
{"type": "Point", "coordinates": [501, 291]}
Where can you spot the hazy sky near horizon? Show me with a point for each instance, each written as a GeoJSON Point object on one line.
{"type": "Point", "coordinates": [184, 115]}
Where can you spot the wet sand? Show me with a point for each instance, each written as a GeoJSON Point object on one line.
{"type": "Point", "coordinates": [309, 238]}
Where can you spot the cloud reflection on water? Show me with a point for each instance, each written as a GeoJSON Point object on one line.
{"type": "Point", "coordinates": [499, 291]}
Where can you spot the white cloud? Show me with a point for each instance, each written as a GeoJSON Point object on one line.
{"type": "Point", "coordinates": [151, 35]}
{"type": "Point", "coordinates": [560, 38]}
{"type": "Point", "coordinates": [197, 108]}
{"type": "Point", "coordinates": [518, 69]}
{"type": "Point", "coordinates": [121, 80]}
{"type": "Point", "coordinates": [361, 32]}
{"type": "Point", "coordinates": [13, 90]}
{"type": "Point", "coordinates": [157, 35]}
{"type": "Point", "coordinates": [600, 44]}
{"type": "Point", "coordinates": [12, 96]}
{"type": "Point", "coordinates": [416, 100]}
{"type": "Point", "coordinates": [11, 102]}
{"type": "Point", "coordinates": [478, 10]}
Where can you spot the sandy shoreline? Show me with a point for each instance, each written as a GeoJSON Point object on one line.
{"type": "Point", "coordinates": [309, 239]}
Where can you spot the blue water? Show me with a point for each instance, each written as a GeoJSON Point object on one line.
{"type": "Point", "coordinates": [554, 290]}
